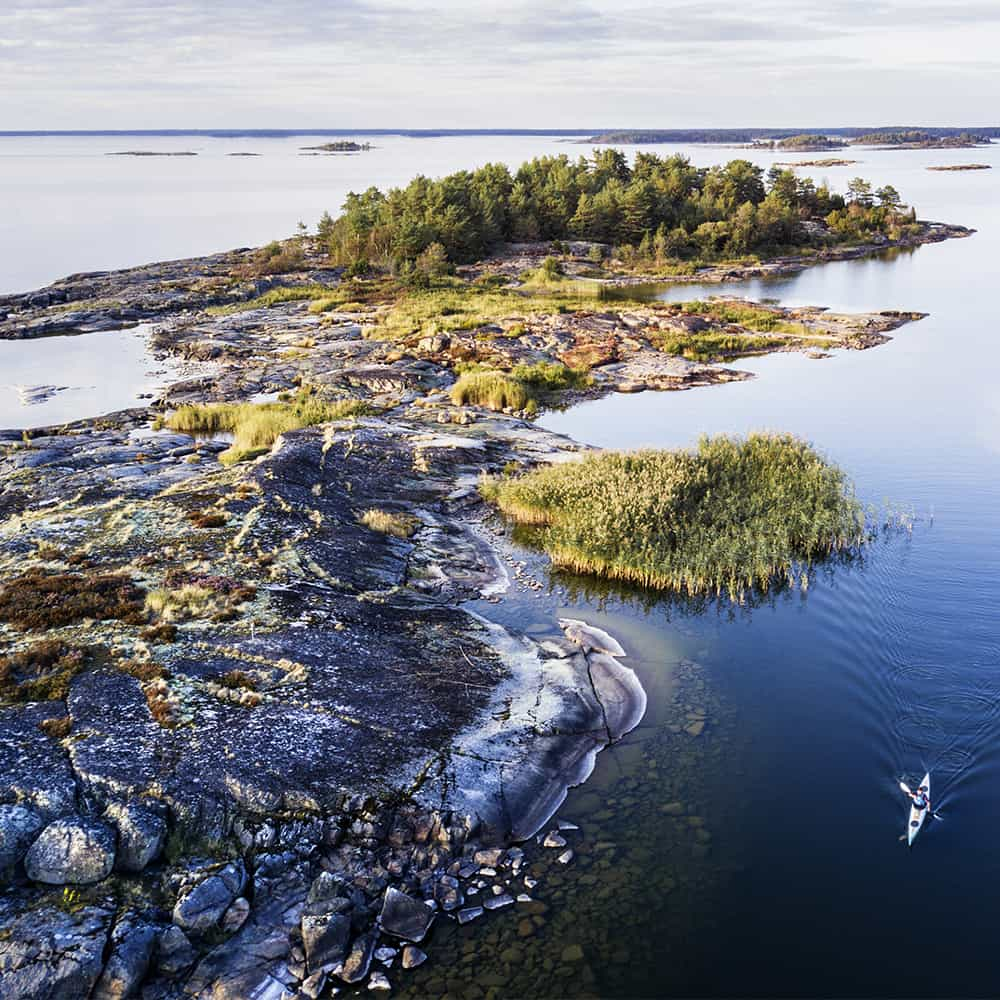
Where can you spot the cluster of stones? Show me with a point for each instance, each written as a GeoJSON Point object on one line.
{"type": "Point", "coordinates": [374, 900]}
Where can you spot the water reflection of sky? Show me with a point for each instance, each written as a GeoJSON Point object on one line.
{"type": "Point", "coordinates": [94, 373]}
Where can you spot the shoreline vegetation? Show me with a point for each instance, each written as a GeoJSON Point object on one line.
{"type": "Point", "coordinates": [728, 517]}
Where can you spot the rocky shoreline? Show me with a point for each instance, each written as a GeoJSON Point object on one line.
{"type": "Point", "coordinates": [251, 746]}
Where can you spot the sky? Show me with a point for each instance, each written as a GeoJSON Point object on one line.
{"type": "Point", "coordinates": [449, 64]}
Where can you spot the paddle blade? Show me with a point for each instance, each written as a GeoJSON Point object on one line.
{"type": "Point", "coordinates": [905, 787]}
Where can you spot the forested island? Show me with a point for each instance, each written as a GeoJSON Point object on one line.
{"type": "Point", "coordinates": [340, 146]}
{"type": "Point", "coordinates": [655, 211]}
{"type": "Point", "coordinates": [921, 139]}
{"type": "Point", "coordinates": [804, 143]}
{"type": "Point", "coordinates": [736, 135]}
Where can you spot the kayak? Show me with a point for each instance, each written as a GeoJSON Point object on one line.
{"type": "Point", "coordinates": [917, 816]}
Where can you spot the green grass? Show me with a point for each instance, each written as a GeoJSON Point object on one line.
{"type": "Point", "coordinates": [389, 523]}
{"type": "Point", "coordinates": [492, 389]}
{"type": "Point", "coordinates": [712, 345]}
{"type": "Point", "coordinates": [727, 517]}
{"type": "Point", "coordinates": [273, 297]}
{"type": "Point", "coordinates": [752, 317]}
{"type": "Point", "coordinates": [256, 426]}
{"type": "Point", "coordinates": [520, 389]}
{"type": "Point", "coordinates": [457, 305]}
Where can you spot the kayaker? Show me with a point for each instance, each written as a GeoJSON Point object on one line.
{"type": "Point", "coordinates": [920, 800]}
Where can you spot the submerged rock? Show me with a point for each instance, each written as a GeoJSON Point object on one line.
{"type": "Point", "coordinates": [404, 917]}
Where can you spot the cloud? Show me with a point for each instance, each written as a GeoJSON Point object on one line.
{"type": "Point", "coordinates": [118, 63]}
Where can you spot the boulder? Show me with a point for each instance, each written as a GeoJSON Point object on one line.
{"type": "Point", "coordinates": [359, 959]}
{"type": "Point", "coordinates": [132, 945]}
{"type": "Point", "coordinates": [324, 938]}
{"type": "Point", "coordinates": [141, 834]}
{"type": "Point", "coordinates": [72, 852]}
{"type": "Point", "coordinates": [174, 952]}
{"type": "Point", "coordinates": [404, 917]}
{"type": "Point", "coordinates": [202, 905]}
{"type": "Point", "coordinates": [18, 828]}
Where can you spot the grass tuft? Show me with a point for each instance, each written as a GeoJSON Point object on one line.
{"type": "Point", "coordinates": [729, 516]}
{"type": "Point", "coordinates": [256, 426]}
{"type": "Point", "coordinates": [400, 525]}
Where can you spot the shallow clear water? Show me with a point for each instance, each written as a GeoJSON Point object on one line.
{"type": "Point", "coordinates": [885, 669]}
{"type": "Point", "coordinates": [814, 706]}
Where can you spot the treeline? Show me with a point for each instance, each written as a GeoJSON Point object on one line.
{"type": "Point", "coordinates": [919, 137]}
{"type": "Point", "coordinates": [659, 207]}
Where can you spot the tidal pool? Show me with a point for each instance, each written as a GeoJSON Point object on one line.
{"type": "Point", "coordinates": [55, 380]}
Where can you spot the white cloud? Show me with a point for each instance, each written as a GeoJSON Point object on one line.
{"type": "Point", "coordinates": [442, 63]}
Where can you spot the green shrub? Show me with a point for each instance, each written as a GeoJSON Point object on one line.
{"type": "Point", "coordinates": [728, 516]}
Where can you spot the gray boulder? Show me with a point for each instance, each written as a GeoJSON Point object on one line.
{"type": "Point", "coordinates": [405, 917]}
{"type": "Point", "coordinates": [141, 834]}
{"type": "Point", "coordinates": [174, 952]}
{"type": "Point", "coordinates": [324, 938]}
{"type": "Point", "coordinates": [359, 959]}
{"type": "Point", "coordinates": [202, 905]}
{"type": "Point", "coordinates": [132, 945]}
{"type": "Point", "coordinates": [18, 828]}
{"type": "Point", "coordinates": [72, 852]}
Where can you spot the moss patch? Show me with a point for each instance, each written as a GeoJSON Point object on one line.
{"type": "Point", "coordinates": [37, 601]}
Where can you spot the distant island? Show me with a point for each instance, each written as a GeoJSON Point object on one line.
{"type": "Point", "coordinates": [861, 136]}
{"type": "Point", "coordinates": [805, 143]}
{"type": "Point", "coordinates": [921, 139]}
{"type": "Point", "coordinates": [242, 154]}
{"type": "Point", "coordinates": [829, 161]}
{"type": "Point", "coordinates": [963, 166]}
{"type": "Point", "coordinates": [151, 152]}
{"type": "Point", "coordinates": [340, 146]}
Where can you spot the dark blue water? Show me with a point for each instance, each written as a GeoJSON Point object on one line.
{"type": "Point", "coordinates": [885, 669]}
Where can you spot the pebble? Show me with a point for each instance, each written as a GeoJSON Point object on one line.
{"type": "Point", "coordinates": [566, 857]}
{"type": "Point", "coordinates": [488, 872]}
{"type": "Point", "coordinates": [469, 913]}
{"type": "Point", "coordinates": [565, 824]}
{"type": "Point", "coordinates": [554, 839]}
{"type": "Point", "coordinates": [530, 882]}
{"type": "Point", "coordinates": [379, 981]}
{"type": "Point", "coordinates": [413, 956]}
{"type": "Point", "coordinates": [523, 897]}
{"type": "Point", "coordinates": [385, 955]}
{"type": "Point", "coordinates": [497, 902]}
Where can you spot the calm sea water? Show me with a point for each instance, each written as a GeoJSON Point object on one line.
{"type": "Point", "coordinates": [815, 706]}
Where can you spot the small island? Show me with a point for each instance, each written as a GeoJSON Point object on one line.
{"type": "Point", "coordinates": [920, 139]}
{"type": "Point", "coordinates": [151, 152]}
{"type": "Point", "coordinates": [805, 143]}
{"type": "Point", "coordinates": [963, 166]}
{"type": "Point", "coordinates": [830, 161]}
{"type": "Point", "coordinates": [340, 146]}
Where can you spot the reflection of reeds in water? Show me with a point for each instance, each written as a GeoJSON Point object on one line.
{"type": "Point", "coordinates": [730, 517]}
